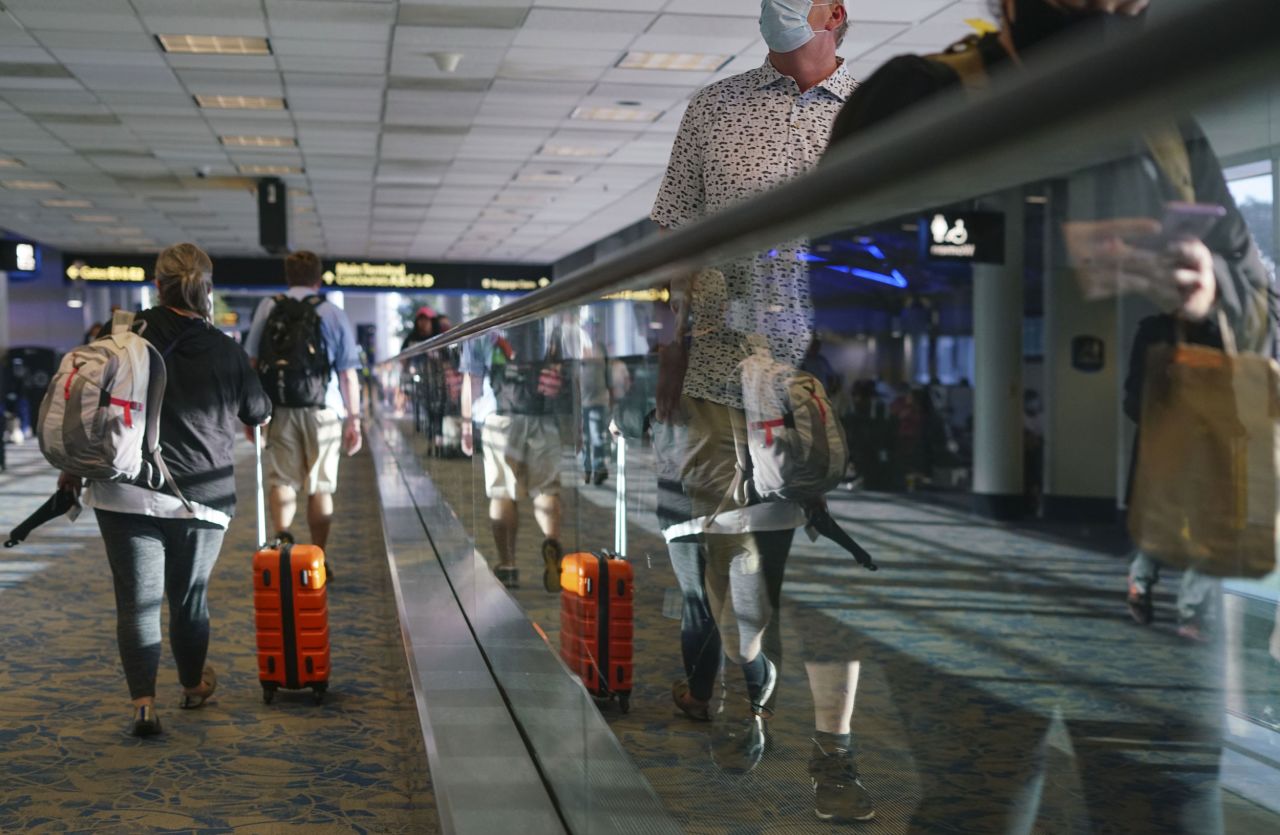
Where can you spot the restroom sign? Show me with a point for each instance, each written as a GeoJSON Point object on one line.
{"type": "Point", "coordinates": [19, 257]}
{"type": "Point", "coordinates": [974, 237]}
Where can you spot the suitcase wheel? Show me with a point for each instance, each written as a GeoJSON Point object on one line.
{"type": "Point", "coordinates": [268, 693]}
{"type": "Point", "coordinates": [624, 702]}
{"type": "Point", "coordinates": [317, 693]}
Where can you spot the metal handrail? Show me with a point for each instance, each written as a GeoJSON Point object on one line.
{"type": "Point", "coordinates": [1028, 126]}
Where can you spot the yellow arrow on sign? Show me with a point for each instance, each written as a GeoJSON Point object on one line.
{"type": "Point", "coordinates": [73, 272]}
{"type": "Point", "coordinates": [328, 277]}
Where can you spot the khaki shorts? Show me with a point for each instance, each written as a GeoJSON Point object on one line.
{"type": "Point", "coordinates": [303, 449]}
{"type": "Point", "coordinates": [521, 456]}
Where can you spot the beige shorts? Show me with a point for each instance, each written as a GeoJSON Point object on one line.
{"type": "Point", "coordinates": [521, 456]}
{"type": "Point", "coordinates": [303, 449]}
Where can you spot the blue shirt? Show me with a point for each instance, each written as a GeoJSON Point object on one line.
{"type": "Point", "coordinates": [339, 340]}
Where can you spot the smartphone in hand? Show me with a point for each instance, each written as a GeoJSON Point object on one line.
{"type": "Point", "coordinates": [1186, 220]}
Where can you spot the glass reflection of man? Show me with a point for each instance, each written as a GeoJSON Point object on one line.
{"type": "Point", "coordinates": [740, 137]}
{"type": "Point", "coordinates": [518, 414]}
{"type": "Point", "coordinates": [1198, 279]}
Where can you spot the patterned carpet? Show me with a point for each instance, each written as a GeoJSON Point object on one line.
{"type": "Point", "coordinates": [1003, 688]}
{"type": "Point", "coordinates": [354, 764]}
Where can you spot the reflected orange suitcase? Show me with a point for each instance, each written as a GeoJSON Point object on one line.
{"type": "Point", "coordinates": [597, 623]}
{"type": "Point", "coordinates": [291, 615]}
{"type": "Point", "coordinates": [290, 609]}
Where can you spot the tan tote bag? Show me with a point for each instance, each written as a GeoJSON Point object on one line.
{"type": "Point", "coordinates": [1205, 491]}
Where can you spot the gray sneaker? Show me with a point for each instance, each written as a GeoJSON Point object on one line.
{"type": "Point", "coordinates": [738, 747]}
{"type": "Point", "coordinates": [839, 795]}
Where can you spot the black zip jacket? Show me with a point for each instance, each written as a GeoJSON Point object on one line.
{"type": "Point", "coordinates": [211, 390]}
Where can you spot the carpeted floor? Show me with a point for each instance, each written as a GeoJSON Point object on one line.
{"type": "Point", "coordinates": [354, 764]}
{"type": "Point", "coordinates": [1002, 686]}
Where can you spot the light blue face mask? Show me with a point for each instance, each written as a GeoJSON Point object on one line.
{"type": "Point", "coordinates": [785, 23]}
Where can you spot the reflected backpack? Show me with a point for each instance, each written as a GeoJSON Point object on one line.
{"type": "Point", "coordinates": [795, 443]}
{"type": "Point", "coordinates": [100, 417]}
{"type": "Point", "coordinates": [293, 360]}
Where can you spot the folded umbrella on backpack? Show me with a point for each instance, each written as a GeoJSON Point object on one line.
{"type": "Point", "coordinates": [57, 505]}
{"type": "Point", "coordinates": [822, 523]}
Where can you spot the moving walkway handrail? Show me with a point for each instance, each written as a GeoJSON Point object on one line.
{"type": "Point", "coordinates": [1025, 128]}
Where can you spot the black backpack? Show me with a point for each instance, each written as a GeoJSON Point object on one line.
{"type": "Point", "coordinates": [293, 360]}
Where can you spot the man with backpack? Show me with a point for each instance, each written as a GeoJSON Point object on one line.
{"type": "Point", "coordinates": [307, 357]}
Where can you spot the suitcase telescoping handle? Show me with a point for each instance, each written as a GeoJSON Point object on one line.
{"type": "Point", "coordinates": [620, 502]}
{"type": "Point", "coordinates": [261, 497]}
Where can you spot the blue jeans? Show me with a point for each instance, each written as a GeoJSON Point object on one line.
{"type": "Point", "coordinates": [1196, 591]}
{"type": "Point", "coordinates": [595, 441]}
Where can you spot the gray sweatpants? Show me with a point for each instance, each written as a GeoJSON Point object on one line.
{"type": "Point", "coordinates": [151, 559]}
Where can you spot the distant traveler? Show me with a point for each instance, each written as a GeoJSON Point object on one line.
{"type": "Point", "coordinates": [521, 446]}
{"type": "Point", "coordinates": [416, 382]}
{"type": "Point", "coordinates": [424, 327]}
{"type": "Point", "coordinates": [156, 545]}
{"type": "Point", "coordinates": [307, 356]}
{"type": "Point", "coordinates": [595, 399]}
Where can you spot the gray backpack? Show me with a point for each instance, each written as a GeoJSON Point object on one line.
{"type": "Point", "coordinates": [100, 417]}
{"type": "Point", "coordinates": [795, 441]}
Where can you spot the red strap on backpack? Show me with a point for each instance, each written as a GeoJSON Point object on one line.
{"type": "Point", "coordinates": [129, 407]}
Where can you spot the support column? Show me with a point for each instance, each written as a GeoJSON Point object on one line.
{"type": "Point", "coordinates": [998, 292]}
{"type": "Point", "coordinates": [4, 312]}
{"type": "Point", "coordinates": [1085, 468]}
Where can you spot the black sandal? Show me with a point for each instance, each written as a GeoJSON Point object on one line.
{"type": "Point", "coordinates": [145, 722]}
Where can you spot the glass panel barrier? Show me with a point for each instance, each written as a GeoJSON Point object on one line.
{"type": "Point", "coordinates": [952, 513]}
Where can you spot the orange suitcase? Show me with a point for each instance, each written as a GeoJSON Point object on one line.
{"type": "Point", "coordinates": [290, 609]}
{"type": "Point", "coordinates": [291, 614]}
{"type": "Point", "coordinates": [597, 623]}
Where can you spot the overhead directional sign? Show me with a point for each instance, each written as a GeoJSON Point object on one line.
{"type": "Point", "coordinates": [378, 276]}
{"type": "Point", "coordinates": [113, 273]}
{"type": "Point", "coordinates": [268, 273]}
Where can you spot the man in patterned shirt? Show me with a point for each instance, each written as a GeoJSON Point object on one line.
{"type": "Point", "coordinates": [741, 137]}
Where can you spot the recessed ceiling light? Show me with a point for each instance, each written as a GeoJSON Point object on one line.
{"type": "Point", "coordinates": [125, 231]}
{"type": "Point", "coordinates": [32, 185]}
{"type": "Point", "coordinates": [547, 178]}
{"type": "Point", "coordinates": [685, 61]}
{"type": "Point", "coordinates": [269, 169]}
{"type": "Point", "coordinates": [614, 114]}
{"type": "Point", "coordinates": [138, 241]}
{"type": "Point", "coordinates": [65, 203]}
{"type": "Point", "coordinates": [259, 141]}
{"type": "Point", "coordinates": [554, 150]}
{"type": "Point", "coordinates": [9, 162]}
{"type": "Point", "coordinates": [94, 218]}
{"type": "Point", "coordinates": [214, 45]}
{"type": "Point", "coordinates": [302, 209]}
{"type": "Point", "coordinates": [516, 199]}
{"type": "Point", "coordinates": [241, 102]}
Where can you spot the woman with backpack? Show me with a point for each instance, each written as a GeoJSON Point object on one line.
{"type": "Point", "coordinates": [162, 542]}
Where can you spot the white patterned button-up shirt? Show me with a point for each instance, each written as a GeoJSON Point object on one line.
{"type": "Point", "coordinates": [740, 137]}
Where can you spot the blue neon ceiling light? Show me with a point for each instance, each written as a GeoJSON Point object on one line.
{"type": "Point", "coordinates": [893, 279]}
